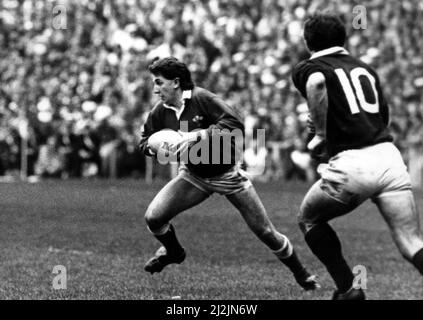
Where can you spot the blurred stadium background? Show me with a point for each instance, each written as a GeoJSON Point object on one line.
{"type": "Point", "coordinates": [74, 95]}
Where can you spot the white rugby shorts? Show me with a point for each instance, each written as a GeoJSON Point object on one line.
{"type": "Point", "coordinates": [232, 181]}
{"type": "Point", "coordinates": [371, 172]}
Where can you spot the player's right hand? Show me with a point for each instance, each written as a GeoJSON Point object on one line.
{"type": "Point", "coordinates": [167, 148]}
{"type": "Point", "coordinates": [315, 142]}
{"type": "Point", "coordinates": [187, 141]}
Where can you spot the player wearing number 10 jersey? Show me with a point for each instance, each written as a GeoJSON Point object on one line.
{"type": "Point", "coordinates": [349, 117]}
{"type": "Point", "coordinates": [351, 86]}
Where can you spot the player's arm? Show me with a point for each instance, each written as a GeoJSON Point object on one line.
{"type": "Point", "coordinates": [384, 109]}
{"type": "Point", "coordinates": [224, 123]}
{"type": "Point", "coordinates": [317, 100]}
{"type": "Point", "coordinates": [221, 116]}
{"type": "Point", "coordinates": [146, 131]}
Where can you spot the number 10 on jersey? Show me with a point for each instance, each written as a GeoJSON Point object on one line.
{"type": "Point", "coordinates": [359, 93]}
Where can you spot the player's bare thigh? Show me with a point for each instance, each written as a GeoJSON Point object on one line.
{"type": "Point", "coordinates": [249, 204]}
{"type": "Point", "coordinates": [319, 206]}
{"type": "Point", "coordinates": [176, 196]}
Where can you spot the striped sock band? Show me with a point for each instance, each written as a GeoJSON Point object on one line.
{"type": "Point", "coordinates": [161, 231]}
{"type": "Point", "coordinates": [286, 250]}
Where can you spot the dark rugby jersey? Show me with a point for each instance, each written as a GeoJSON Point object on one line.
{"type": "Point", "coordinates": [358, 114]}
{"type": "Point", "coordinates": [203, 110]}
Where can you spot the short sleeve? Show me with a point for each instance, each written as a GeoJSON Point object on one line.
{"type": "Point", "coordinates": [301, 73]}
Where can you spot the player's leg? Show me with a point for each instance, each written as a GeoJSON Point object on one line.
{"type": "Point", "coordinates": [252, 210]}
{"type": "Point", "coordinates": [400, 212]}
{"type": "Point", "coordinates": [176, 196]}
{"type": "Point", "coordinates": [317, 208]}
{"type": "Point", "coordinates": [397, 205]}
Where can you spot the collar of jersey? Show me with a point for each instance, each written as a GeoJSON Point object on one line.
{"type": "Point", "coordinates": [186, 94]}
{"type": "Point", "coordinates": [328, 51]}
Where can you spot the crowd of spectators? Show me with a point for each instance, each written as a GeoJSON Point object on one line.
{"type": "Point", "coordinates": [75, 90]}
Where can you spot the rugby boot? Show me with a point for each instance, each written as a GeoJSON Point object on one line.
{"type": "Point", "coordinates": [352, 294]}
{"type": "Point", "coordinates": [162, 258]}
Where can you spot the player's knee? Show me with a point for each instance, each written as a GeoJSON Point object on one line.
{"type": "Point", "coordinates": [153, 218]}
{"type": "Point", "coordinates": [306, 225]}
{"type": "Point", "coordinates": [303, 223]}
{"type": "Point", "coordinates": [305, 220]}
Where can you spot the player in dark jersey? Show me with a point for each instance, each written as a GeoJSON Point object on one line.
{"type": "Point", "coordinates": [204, 115]}
{"type": "Point", "coordinates": [349, 117]}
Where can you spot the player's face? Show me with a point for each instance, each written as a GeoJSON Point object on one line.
{"type": "Point", "coordinates": [166, 89]}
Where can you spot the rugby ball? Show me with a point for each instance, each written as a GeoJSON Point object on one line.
{"type": "Point", "coordinates": [169, 136]}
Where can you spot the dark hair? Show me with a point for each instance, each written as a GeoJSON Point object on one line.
{"type": "Point", "coordinates": [324, 30]}
{"type": "Point", "coordinates": [171, 68]}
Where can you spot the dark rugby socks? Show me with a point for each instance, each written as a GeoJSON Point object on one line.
{"type": "Point", "coordinates": [294, 264]}
{"type": "Point", "coordinates": [418, 261]}
{"type": "Point", "coordinates": [169, 240]}
{"type": "Point", "coordinates": [289, 258]}
{"type": "Point", "coordinates": [324, 243]}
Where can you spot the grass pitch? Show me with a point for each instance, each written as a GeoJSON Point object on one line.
{"type": "Point", "coordinates": [96, 230]}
